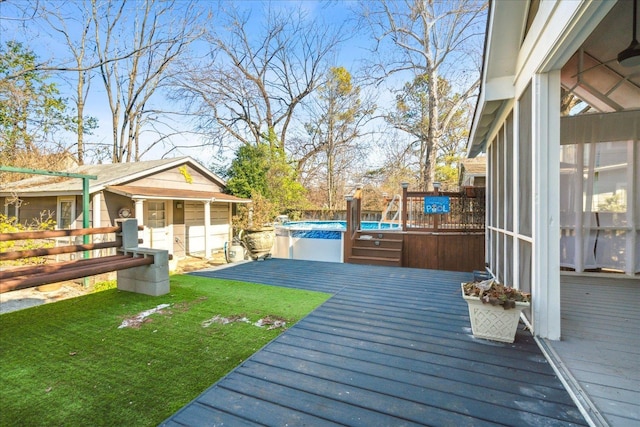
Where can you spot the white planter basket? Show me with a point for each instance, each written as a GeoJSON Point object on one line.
{"type": "Point", "coordinates": [493, 322]}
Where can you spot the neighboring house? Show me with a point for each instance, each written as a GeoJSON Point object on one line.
{"type": "Point", "coordinates": [473, 172]}
{"type": "Point", "coordinates": [180, 203]}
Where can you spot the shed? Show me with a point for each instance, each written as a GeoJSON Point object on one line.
{"type": "Point", "coordinates": [180, 203]}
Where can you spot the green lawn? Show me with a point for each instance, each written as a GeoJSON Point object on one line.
{"type": "Point", "coordinates": [68, 363]}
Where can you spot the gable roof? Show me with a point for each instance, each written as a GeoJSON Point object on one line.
{"type": "Point", "coordinates": [474, 167]}
{"type": "Point", "coordinates": [108, 175]}
{"type": "Point", "coordinates": [171, 193]}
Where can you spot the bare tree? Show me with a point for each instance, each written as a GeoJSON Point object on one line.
{"type": "Point", "coordinates": [157, 33]}
{"type": "Point", "coordinates": [72, 20]}
{"type": "Point", "coordinates": [433, 39]}
{"type": "Point", "coordinates": [337, 116]}
{"type": "Point", "coordinates": [258, 74]}
{"type": "Point", "coordinates": [79, 26]}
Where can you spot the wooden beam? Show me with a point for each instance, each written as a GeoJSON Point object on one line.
{"type": "Point", "coordinates": [6, 256]}
{"type": "Point", "coordinates": [49, 234]}
{"type": "Point", "coordinates": [59, 266]}
{"type": "Point", "coordinates": [29, 281]}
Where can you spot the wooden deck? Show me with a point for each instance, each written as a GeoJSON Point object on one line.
{"type": "Point", "coordinates": [599, 353]}
{"type": "Point", "coordinates": [392, 347]}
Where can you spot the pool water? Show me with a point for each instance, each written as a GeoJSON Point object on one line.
{"type": "Point", "coordinates": [316, 240]}
{"type": "Point", "coordinates": [331, 230]}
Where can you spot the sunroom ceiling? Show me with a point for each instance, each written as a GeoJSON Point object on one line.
{"type": "Point", "coordinates": [593, 73]}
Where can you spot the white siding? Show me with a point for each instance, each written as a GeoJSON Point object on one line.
{"type": "Point", "coordinates": [195, 232]}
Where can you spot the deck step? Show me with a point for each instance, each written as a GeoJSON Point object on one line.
{"type": "Point", "coordinates": [375, 247]}
{"type": "Point", "coordinates": [378, 243]}
{"type": "Point", "coordinates": [389, 262]}
{"type": "Point", "coordinates": [375, 252]}
{"type": "Point", "coordinates": [378, 235]}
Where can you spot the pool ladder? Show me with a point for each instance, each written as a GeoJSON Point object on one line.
{"type": "Point", "coordinates": [396, 201]}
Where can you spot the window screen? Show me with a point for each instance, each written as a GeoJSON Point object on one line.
{"type": "Point", "coordinates": [525, 154]}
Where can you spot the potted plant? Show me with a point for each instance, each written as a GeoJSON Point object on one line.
{"type": "Point", "coordinates": [254, 226]}
{"type": "Point", "coordinates": [494, 309]}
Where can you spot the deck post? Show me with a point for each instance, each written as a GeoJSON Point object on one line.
{"type": "Point", "coordinates": [404, 210]}
{"type": "Point", "coordinates": [150, 279]}
{"type": "Point", "coordinates": [545, 278]}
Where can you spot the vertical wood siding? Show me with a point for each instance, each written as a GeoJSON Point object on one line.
{"type": "Point", "coordinates": [194, 224]}
{"type": "Point", "coordinates": [450, 251]}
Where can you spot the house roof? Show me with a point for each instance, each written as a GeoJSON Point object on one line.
{"type": "Point", "coordinates": [498, 68]}
{"type": "Point", "coordinates": [171, 193]}
{"type": "Point", "coordinates": [475, 167]}
{"type": "Point", "coordinates": [586, 57]}
{"type": "Point", "coordinates": [108, 175]}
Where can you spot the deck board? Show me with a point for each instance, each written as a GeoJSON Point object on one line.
{"type": "Point", "coordinates": [392, 346]}
{"type": "Point", "coordinates": [600, 347]}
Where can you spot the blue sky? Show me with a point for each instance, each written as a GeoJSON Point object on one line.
{"type": "Point", "coordinates": [49, 48]}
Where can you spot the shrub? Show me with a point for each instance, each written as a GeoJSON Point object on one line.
{"type": "Point", "coordinates": [10, 224]}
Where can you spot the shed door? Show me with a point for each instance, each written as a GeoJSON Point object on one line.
{"type": "Point", "coordinates": [157, 222]}
{"type": "Point", "coordinates": [194, 223]}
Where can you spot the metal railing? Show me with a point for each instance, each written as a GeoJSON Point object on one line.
{"type": "Point", "coordinates": [466, 211]}
{"type": "Point", "coordinates": [394, 207]}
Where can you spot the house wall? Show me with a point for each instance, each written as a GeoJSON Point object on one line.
{"type": "Point", "coordinates": [194, 219]}
{"type": "Point", "coordinates": [175, 178]}
{"type": "Point", "coordinates": [110, 206]}
{"type": "Point", "coordinates": [31, 208]}
{"type": "Point", "coordinates": [523, 199]}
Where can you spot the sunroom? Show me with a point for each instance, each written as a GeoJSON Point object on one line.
{"type": "Point", "coordinates": [559, 120]}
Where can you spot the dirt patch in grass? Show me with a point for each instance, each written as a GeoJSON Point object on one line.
{"type": "Point", "coordinates": [272, 322]}
{"type": "Point", "coordinates": [194, 264]}
{"type": "Point", "coordinates": [143, 317]}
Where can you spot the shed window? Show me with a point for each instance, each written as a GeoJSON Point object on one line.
{"type": "Point", "coordinates": [156, 215]}
{"type": "Point", "coordinates": [66, 213]}
{"type": "Point", "coordinates": [12, 208]}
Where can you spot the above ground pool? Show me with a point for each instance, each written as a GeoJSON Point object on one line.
{"type": "Point", "coordinates": [316, 240]}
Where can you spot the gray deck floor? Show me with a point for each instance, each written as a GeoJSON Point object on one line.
{"type": "Point", "coordinates": [392, 347]}
{"type": "Point", "coordinates": [600, 346]}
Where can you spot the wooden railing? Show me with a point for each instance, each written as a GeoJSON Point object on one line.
{"type": "Point", "coordinates": [452, 241]}
{"type": "Point", "coordinates": [14, 278]}
{"type": "Point", "coordinates": [467, 211]}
